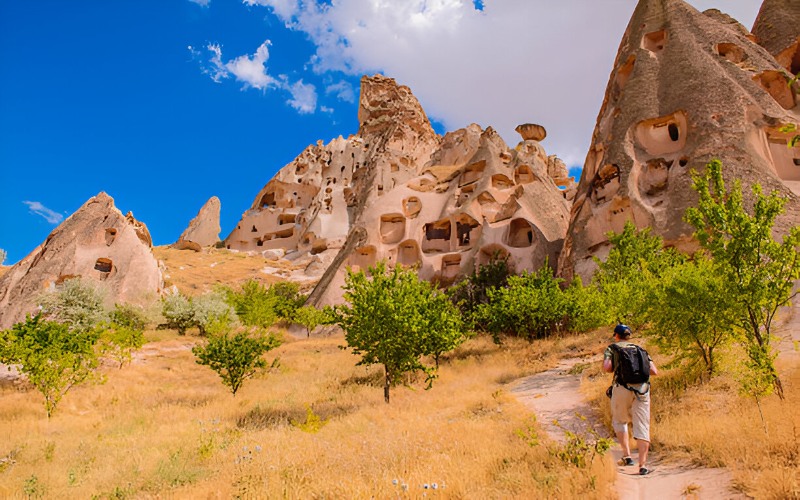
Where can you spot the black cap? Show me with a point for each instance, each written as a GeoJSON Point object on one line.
{"type": "Point", "coordinates": [622, 330]}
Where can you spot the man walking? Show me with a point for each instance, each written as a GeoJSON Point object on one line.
{"type": "Point", "coordinates": [630, 394]}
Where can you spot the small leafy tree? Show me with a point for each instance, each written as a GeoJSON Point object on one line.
{"type": "Point", "coordinates": [758, 271]}
{"type": "Point", "coordinates": [236, 356]}
{"type": "Point", "coordinates": [77, 302]}
{"type": "Point", "coordinates": [287, 298]}
{"type": "Point", "coordinates": [531, 306]}
{"type": "Point", "coordinates": [3, 256]}
{"type": "Point", "coordinates": [392, 318]}
{"type": "Point", "coordinates": [124, 334]}
{"type": "Point", "coordinates": [178, 311]}
{"type": "Point", "coordinates": [586, 306]}
{"type": "Point", "coordinates": [310, 317]}
{"type": "Point", "coordinates": [472, 291]}
{"type": "Point", "coordinates": [53, 357]}
{"type": "Point", "coordinates": [632, 270]}
{"type": "Point", "coordinates": [254, 305]}
{"type": "Point", "coordinates": [691, 314]}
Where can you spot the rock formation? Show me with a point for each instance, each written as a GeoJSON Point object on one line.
{"type": "Point", "coordinates": [777, 29]}
{"type": "Point", "coordinates": [204, 229]}
{"type": "Point", "coordinates": [398, 191]}
{"type": "Point", "coordinates": [686, 87]}
{"type": "Point", "coordinates": [96, 242]}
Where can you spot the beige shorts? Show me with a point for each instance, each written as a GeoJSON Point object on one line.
{"type": "Point", "coordinates": [629, 407]}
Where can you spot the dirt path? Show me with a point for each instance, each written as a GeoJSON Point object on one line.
{"type": "Point", "coordinates": [554, 395]}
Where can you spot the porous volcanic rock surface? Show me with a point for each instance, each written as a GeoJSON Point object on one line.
{"type": "Point", "coordinates": [204, 229]}
{"type": "Point", "coordinates": [397, 191]}
{"type": "Point", "coordinates": [777, 29]}
{"type": "Point", "coordinates": [97, 243]}
{"type": "Point", "coordinates": [686, 87]}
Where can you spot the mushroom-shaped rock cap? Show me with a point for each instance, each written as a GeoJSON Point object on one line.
{"type": "Point", "coordinates": [531, 132]}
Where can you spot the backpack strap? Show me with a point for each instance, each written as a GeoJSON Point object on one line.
{"type": "Point", "coordinates": [615, 363]}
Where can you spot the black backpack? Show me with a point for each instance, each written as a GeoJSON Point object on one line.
{"type": "Point", "coordinates": [631, 366]}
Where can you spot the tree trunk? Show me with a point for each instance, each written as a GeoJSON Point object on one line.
{"type": "Point", "coordinates": [386, 383]}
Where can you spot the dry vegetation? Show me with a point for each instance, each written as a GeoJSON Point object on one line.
{"type": "Point", "coordinates": [195, 273]}
{"type": "Point", "coordinates": [166, 426]}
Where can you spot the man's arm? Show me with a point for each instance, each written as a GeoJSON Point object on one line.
{"type": "Point", "coordinates": [608, 368]}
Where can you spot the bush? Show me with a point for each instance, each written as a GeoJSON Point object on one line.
{"type": "Point", "coordinates": [52, 356]}
{"type": "Point", "coordinates": [472, 291]}
{"type": "Point", "coordinates": [236, 356]}
{"type": "Point", "coordinates": [77, 302]}
{"type": "Point", "coordinates": [212, 313]}
{"type": "Point", "coordinates": [178, 311]}
{"type": "Point", "coordinates": [253, 303]}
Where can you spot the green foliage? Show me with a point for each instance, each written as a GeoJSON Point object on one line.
{"type": "Point", "coordinates": [212, 313]}
{"type": "Point", "coordinates": [254, 305]}
{"type": "Point", "coordinates": [76, 302]}
{"type": "Point", "coordinates": [394, 319]}
{"type": "Point", "coordinates": [632, 271]}
{"type": "Point", "coordinates": [581, 448]}
{"type": "Point", "coordinates": [287, 298]}
{"type": "Point", "coordinates": [756, 270]}
{"type": "Point", "coordinates": [178, 311]}
{"type": "Point", "coordinates": [472, 291]}
{"type": "Point", "coordinates": [52, 357]}
{"type": "Point", "coordinates": [586, 307]}
{"type": "Point", "coordinates": [311, 317]}
{"type": "Point", "coordinates": [531, 306]}
{"type": "Point", "coordinates": [236, 356]}
{"type": "Point", "coordinates": [124, 333]}
{"type": "Point", "coordinates": [691, 313]}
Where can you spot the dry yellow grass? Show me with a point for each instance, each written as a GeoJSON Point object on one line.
{"type": "Point", "coordinates": [195, 273]}
{"type": "Point", "coordinates": [167, 427]}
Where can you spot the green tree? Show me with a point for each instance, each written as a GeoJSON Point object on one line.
{"type": "Point", "coordinates": [531, 306]}
{"type": "Point", "coordinates": [178, 311]}
{"type": "Point", "coordinates": [757, 270]}
{"type": "Point", "coordinates": [236, 356]}
{"type": "Point", "coordinates": [53, 357]}
{"type": "Point", "coordinates": [253, 303]}
{"type": "Point", "coordinates": [392, 319]}
{"type": "Point", "coordinates": [124, 334]}
{"type": "Point", "coordinates": [310, 317]}
{"type": "Point", "coordinates": [586, 306]}
{"type": "Point", "coordinates": [472, 291]}
{"type": "Point", "coordinates": [77, 302]}
{"type": "Point", "coordinates": [632, 271]}
{"type": "Point", "coordinates": [691, 314]}
{"type": "Point", "coordinates": [287, 298]}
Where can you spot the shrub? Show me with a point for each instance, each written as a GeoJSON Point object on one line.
{"type": "Point", "coordinates": [124, 333]}
{"type": "Point", "coordinates": [236, 356]}
{"type": "Point", "coordinates": [77, 302]}
{"type": "Point", "coordinates": [212, 313]}
{"type": "Point", "coordinates": [53, 357]}
{"type": "Point", "coordinates": [178, 311]}
{"type": "Point", "coordinates": [253, 303]}
{"type": "Point", "coordinates": [472, 291]}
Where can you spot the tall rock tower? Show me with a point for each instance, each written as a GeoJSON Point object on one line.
{"type": "Point", "coordinates": [686, 87]}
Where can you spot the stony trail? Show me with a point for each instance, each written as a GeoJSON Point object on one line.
{"type": "Point", "coordinates": [554, 395]}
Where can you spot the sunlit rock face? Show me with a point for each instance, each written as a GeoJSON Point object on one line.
{"type": "Point", "coordinates": [686, 87]}
{"type": "Point", "coordinates": [204, 229]}
{"type": "Point", "coordinates": [397, 191]}
{"type": "Point", "coordinates": [96, 243]}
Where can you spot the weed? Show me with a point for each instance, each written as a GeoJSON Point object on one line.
{"type": "Point", "coordinates": [33, 488]}
{"type": "Point", "coordinates": [581, 446]}
{"type": "Point", "coordinates": [312, 424]}
{"type": "Point", "coordinates": [529, 434]}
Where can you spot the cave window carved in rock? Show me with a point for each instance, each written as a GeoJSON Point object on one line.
{"type": "Point", "coordinates": [624, 72]}
{"type": "Point", "coordinates": [472, 172]}
{"type": "Point", "coordinates": [500, 181]}
{"type": "Point", "coordinates": [492, 252]}
{"type": "Point", "coordinates": [287, 218]}
{"type": "Point", "coordinates": [655, 41]}
{"type": "Point", "coordinates": [392, 228]}
{"type": "Point", "coordinates": [451, 265]}
{"type": "Point", "coordinates": [412, 206]}
{"type": "Point", "coordinates": [408, 253]}
{"type": "Point", "coordinates": [605, 183]}
{"type": "Point", "coordinates": [785, 160]}
{"type": "Point", "coordinates": [254, 229]}
{"type": "Point", "coordinates": [663, 135]}
{"type": "Point", "coordinates": [437, 236]}
{"type": "Point", "coordinates": [654, 176]}
{"type": "Point", "coordinates": [111, 235]}
{"type": "Point", "coordinates": [776, 84]}
{"type": "Point", "coordinates": [731, 52]}
{"type": "Point", "coordinates": [520, 233]}
{"type": "Point", "coordinates": [363, 258]}
{"type": "Point", "coordinates": [524, 175]}
{"type": "Point", "coordinates": [464, 229]}
{"type": "Point", "coordinates": [104, 265]}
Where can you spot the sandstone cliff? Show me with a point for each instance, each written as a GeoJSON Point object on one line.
{"type": "Point", "coordinates": [686, 87]}
{"type": "Point", "coordinates": [204, 229]}
{"type": "Point", "coordinates": [98, 243]}
{"type": "Point", "coordinates": [397, 191]}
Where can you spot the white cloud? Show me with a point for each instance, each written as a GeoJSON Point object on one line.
{"type": "Point", "coordinates": [342, 90]}
{"type": "Point", "coordinates": [252, 71]}
{"type": "Point", "coordinates": [49, 215]}
{"type": "Point", "coordinates": [201, 3]}
{"type": "Point", "coordinates": [513, 61]}
{"type": "Point", "coordinates": [304, 97]}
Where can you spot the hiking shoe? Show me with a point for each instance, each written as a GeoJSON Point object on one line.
{"type": "Point", "coordinates": [625, 461]}
{"type": "Point", "coordinates": [643, 471]}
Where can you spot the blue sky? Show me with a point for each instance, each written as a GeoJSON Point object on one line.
{"type": "Point", "coordinates": [163, 104]}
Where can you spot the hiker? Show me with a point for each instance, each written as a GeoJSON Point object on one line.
{"type": "Point", "coordinates": [630, 394]}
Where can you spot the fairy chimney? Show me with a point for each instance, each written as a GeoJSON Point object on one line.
{"type": "Point", "coordinates": [204, 229]}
